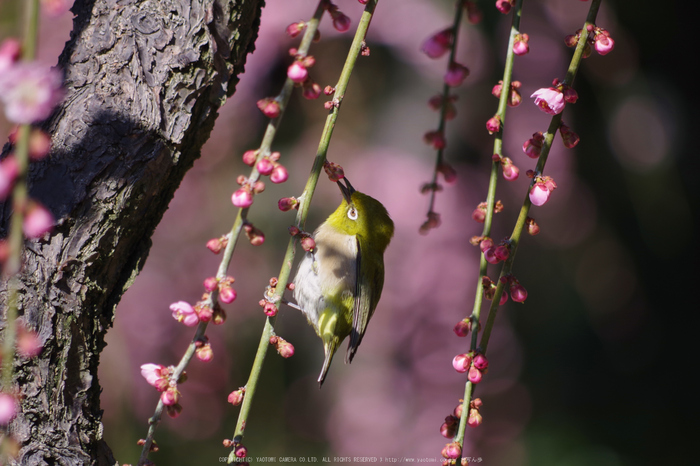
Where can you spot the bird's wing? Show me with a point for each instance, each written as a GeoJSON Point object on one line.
{"type": "Point", "coordinates": [367, 290]}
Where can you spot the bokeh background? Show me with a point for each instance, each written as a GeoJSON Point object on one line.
{"type": "Point", "coordinates": [596, 367]}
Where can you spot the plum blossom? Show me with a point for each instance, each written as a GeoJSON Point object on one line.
{"type": "Point", "coordinates": [30, 92]}
{"type": "Point", "coordinates": [550, 100]}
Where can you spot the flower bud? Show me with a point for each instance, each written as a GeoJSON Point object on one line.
{"type": "Point", "coordinates": [474, 375]}
{"type": "Point", "coordinates": [269, 107]}
{"type": "Point", "coordinates": [438, 44]}
{"type": "Point", "coordinates": [39, 144]}
{"type": "Point", "coordinates": [8, 407]}
{"type": "Point", "coordinates": [265, 166]}
{"type": "Point", "coordinates": [462, 328]}
{"type": "Point", "coordinates": [452, 451]}
{"type": "Point", "coordinates": [449, 428]}
{"type": "Point", "coordinates": [170, 396]}
{"type": "Point", "coordinates": [518, 293]}
{"type": "Point", "coordinates": [173, 410]}
{"type": "Point", "coordinates": [603, 42]}
{"type": "Point", "coordinates": [539, 194]}
{"type": "Point", "coordinates": [520, 44]}
{"type": "Point", "coordinates": [493, 125]}
{"type": "Point", "coordinates": [270, 309]}
{"type": "Point", "coordinates": [297, 72]}
{"type": "Point", "coordinates": [249, 157]}
{"type": "Point", "coordinates": [456, 74]}
{"type": "Point", "coordinates": [474, 419]}
{"type": "Point", "coordinates": [211, 283]}
{"type": "Point", "coordinates": [533, 146]}
{"type": "Point", "coordinates": [532, 227]}
{"type": "Point", "coordinates": [295, 29]}
{"type": "Point", "coordinates": [215, 245]}
{"type": "Point", "coordinates": [240, 451]}
{"type": "Point", "coordinates": [311, 90]}
{"type": "Point", "coordinates": [435, 139]}
{"type": "Point", "coordinates": [242, 198]}
{"type": "Point", "coordinates": [279, 174]}
{"type": "Point", "coordinates": [37, 221]}
{"type": "Point", "coordinates": [569, 138]}
{"type": "Point", "coordinates": [480, 362]}
{"type": "Point", "coordinates": [204, 353]}
{"type": "Point", "coordinates": [461, 362]}
{"type": "Point", "coordinates": [9, 170]}
{"type": "Point", "coordinates": [287, 203]}
{"type": "Point", "coordinates": [341, 22]}
{"type": "Point", "coordinates": [227, 294]}
{"type": "Point", "coordinates": [308, 244]}
{"type": "Point", "coordinates": [504, 6]}
{"type": "Point", "coordinates": [236, 396]}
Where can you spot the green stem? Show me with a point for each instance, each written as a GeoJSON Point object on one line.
{"type": "Point", "coordinates": [20, 197]}
{"type": "Point", "coordinates": [305, 201]}
{"type": "Point", "coordinates": [235, 233]}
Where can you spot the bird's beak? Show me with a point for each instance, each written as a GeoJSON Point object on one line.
{"type": "Point", "coordinates": [347, 190]}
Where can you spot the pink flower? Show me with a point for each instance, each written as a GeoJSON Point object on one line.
{"type": "Point", "coordinates": [456, 74]}
{"type": "Point", "coordinates": [38, 220]}
{"type": "Point", "coordinates": [242, 198]}
{"type": "Point", "coordinates": [9, 169]}
{"type": "Point", "coordinates": [227, 294]}
{"type": "Point", "coordinates": [480, 362]}
{"type": "Point", "coordinates": [520, 44]}
{"type": "Point", "coordinates": [10, 51]}
{"type": "Point", "coordinates": [204, 353]}
{"type": "Point", "coordinates": [438, 44]}
{"type": "Point", "coordinates": [183, 312]}
{"type": "Point", "coordinates": [452, 451]}
{"type": "Point", "coordinates": [297, 72]}
{"type": "Point", "coordinates": [461, 362]}
{"type": "Point", "coordinates": [154, 374]}
{"type": "Point", "coordinates": [549, 100]}
{"type": "Point", "coordinates": [30, 92]}
{"type": "Point", "coordinates": [474, 375]}
{"type": "Point", "coordinates": [8, 408]}
{"type": "Point", "coordinates": [474, 419]}
{"type": "Point", "coordinates": [539, 194]}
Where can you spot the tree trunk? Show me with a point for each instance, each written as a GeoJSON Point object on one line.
{"type": "Point", "coordinates": [144, 81]}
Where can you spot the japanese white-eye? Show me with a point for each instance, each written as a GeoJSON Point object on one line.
{"type": "Point", "coordinates": [339, 282]}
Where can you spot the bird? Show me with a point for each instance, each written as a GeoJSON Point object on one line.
{"type": "Point", "coordinates": [339, 282]}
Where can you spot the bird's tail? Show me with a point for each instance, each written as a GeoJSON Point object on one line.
{"type": "Point", "coordinates": [329, 349]}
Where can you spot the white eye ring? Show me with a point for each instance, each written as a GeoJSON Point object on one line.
{"type": "Point", "coordinates": [352, 214]}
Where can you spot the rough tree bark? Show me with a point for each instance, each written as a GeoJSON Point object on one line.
{"type": "Point", "coordinates": [144, 81]}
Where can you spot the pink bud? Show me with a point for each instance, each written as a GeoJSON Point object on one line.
{"type": "Point", "coordinates": [205, 313]}
{"type": "Point", "coordinates": [173, 411]}
{"type": "Point", "coordinates": [8, 408]}
{"type": "Point", "coordinates": [518, 292]}
{"type": "Point", "coordinates": [570, 138]}
{"type": "Point", "coordinates": [510, 171]}
{"type": "Point", "coordinates": [297, 72]}
{"type": "Point", "coordinates": [204, 353]}
{"type": "Point", "coordinates": [311, 90]}
{"type": "Point", "coordinates": [265, 166]}
{"type": "Point", "coordinates": [452, 451]}
{"type": "Point", "coordinates": [474, 15]}
{"type": "Point", "coordinates": [480, 362]}
{"type": "Point", "coordinates": [341, 22]}
{"type": "Point", "coordinates": [520, 44]}
{"type": "Point", "coordinates": [236, 396]}
{"type": "Point", "coordinates": [461, 362]}
{"type": "Point", "coordinates": [37, 222]}
{"type": "Point", "coordinates": [295, 29]}
{"type": "Point", "coordinates": [532, 227]}
{"type": "Point", "coordinates": [240, 451]}
{"type": "Point", "coordinates": [504, 6]}
{"type": "Point", "coordinates": [285, 349]}
{"type": "Point", "coordinates": [308, 244]}
{"type": "Point", "coordinates": [462, 328]}
{"type": "Point", "coordinates": [435, 139]}
{"type": "Point", "coordinates": [438, 44]}
{"type": "Point", "coordinates": [539, 194]}
{"type": "Point", "coordinates": [279, 174]}
{"type": "Point", "coordinates": [490, 256]}
{"type": "Point", "coordinates": [479, 215]}
{"type": "Point", "coordinates": [249, 157]}
{"type": "Point", "coordinates": [456, 74]}
{"type": "Point", "coordinates": [603, 44]}
{"type": "Point", "coordinates": [501, 252]}
{"type": "Point", "coordinates": [227, 294]}
{"type": "Point", "coordinates": [28, 343]}
{"type": "Point", "coordinates": [570, 94]}
{"type": "Point", "coordinates": [533, 146]}
{"type": "Point", "coordinates": [474, 419]}
{"type": "Point", "coordinates": [287, 203]}
{"type": "Point", "coordinates": [504, 298]}
{"type": "Point", "coordinates": [485, 245]}
{"type": "Point", "coordinates": [494, 124]}
{"type": "Point", "coordinates": [269, 107]}
{"type": "Point", "coordinates": [448, 173]}
{"type": "Point", "coordinates": [242, 198]}
{"type": "Point", "coordinates": [449, 428]}
{"type": "Point", "coordinates": [215, 245]}
{"type": "Point", "coordinates": [474, 375]}
{"type": "Point", "coordinates": [211, 283]}
{"type": "Point", "coordinates": [170, 396]}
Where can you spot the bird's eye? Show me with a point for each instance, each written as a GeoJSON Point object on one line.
{"type": "Point", "coordinates": [352, 214]}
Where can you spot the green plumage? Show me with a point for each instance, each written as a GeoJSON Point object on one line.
{"type": "Point", "coordinates": [339, 284]}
